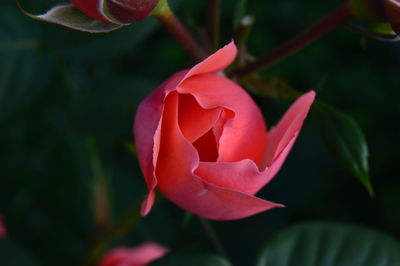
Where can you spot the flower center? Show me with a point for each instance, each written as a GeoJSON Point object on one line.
{"type": "Point", "coordinates": [200, 126]}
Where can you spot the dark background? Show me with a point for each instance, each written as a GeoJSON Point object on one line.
{"type": "Point", "coordinates": [62, 90]}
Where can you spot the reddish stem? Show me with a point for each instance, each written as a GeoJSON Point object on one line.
{"type": "Point", "coordinates": [334, 18]}
{"type": "Point", "coordinates": [180, 33]}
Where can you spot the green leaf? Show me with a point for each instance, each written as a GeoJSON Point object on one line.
{"type": "Point", "coordinates": [345, 141]}
{"type": "Point", "coordinates": [192, 259]}
{"type": "Point", "coordinates": [323, 244]}
{"type": "Point", "coordinates": [68, 16]}
{"type": "Point", "coordinates": [11, 254]}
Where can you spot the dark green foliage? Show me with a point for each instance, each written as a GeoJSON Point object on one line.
{"type": "Point", "coordinates": [345, 141]}
{"type": "Point", "coordinates": [13, 255]}
{"type": "Point", "coordinates": [323, 244]}
{"type": "Point", "coordinates": [59, 88]}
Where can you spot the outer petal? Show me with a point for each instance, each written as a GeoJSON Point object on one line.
{"type": "Point", "coordinates": [92, 8]}
{"type": "Point", "coordinates": [147, 134]}
{"type": "Point", "coordinates": [282, 137]}
{"type": "Point", "coordinates": [242, 176]}
{"type": "Point", "coordinates": [215, 62]}
{"type": "Point", "coordinates": [244, 136]}
{"type": "Point", "coordinates": [138, 256]}
{"type": "Point", "coordinates": [176, 164]}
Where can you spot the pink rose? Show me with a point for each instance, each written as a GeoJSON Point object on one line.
{"type": "Point", "coordinates": [116, 11]}
{"type": "Point", "coordinates": [137, 256]}
{"type": "Point", "coordinates": [202, 141]}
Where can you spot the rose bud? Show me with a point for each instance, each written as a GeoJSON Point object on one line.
{"type": "Point", "coordinates": [116, 11]}
{"type": "Point", "coordinates": [202, 141]}
{"type": "Point", "coordinates": [392, 11]}
{"type": "Point", "coordinates": [137, 256]}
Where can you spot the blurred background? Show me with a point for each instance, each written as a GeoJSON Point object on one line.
{"type": "Point", "coordinates": [68, 101]}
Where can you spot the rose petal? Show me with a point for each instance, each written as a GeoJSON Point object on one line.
{"type": "Point", "coordinates": [242, 176]}
{"type": "Point", "coordinates": [207, 147]}
{"type": "Point", "coordinates": [216, 62]}
{"type": "Point", "coordinates": [137, 256]}
{"type": "Point", "coordinates": [195, 121]}
{"type": "Point", "coordinates": [287, 129]}
{"type": "Point", "coordinates": [92, 8]}
{"type": "Point", "coordinates": [149, 113]}
{"type": "Point", "coordinates": [245, 136]}
{"type": "Point", "coordinates": [176, 163]}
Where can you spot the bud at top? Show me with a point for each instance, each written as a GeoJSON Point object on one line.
{"type": "Point", "coordinates": [116, 11]}
{"type": "Point", "coordinates": [392, 12]}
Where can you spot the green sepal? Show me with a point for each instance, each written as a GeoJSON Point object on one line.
{"type": "Point", "coordinates": [69, 16]}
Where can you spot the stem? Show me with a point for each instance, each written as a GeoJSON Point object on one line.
{"type": "Point", "coordinates": [330, 21]}
{"type": "Point", "coordinates": [212, 234]}
{"type": "Point", "coordinates": [174, 26]}
{"type": "Point", "coordinates": [213, 25]}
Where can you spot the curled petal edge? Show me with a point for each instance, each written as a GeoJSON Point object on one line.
{"type": "Point", "coordinates": [287, 128]}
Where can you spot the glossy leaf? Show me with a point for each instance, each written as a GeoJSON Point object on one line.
{"type": "Point", "coordinates": [192, 259]}
{"type": "Point", "coordinates": [326, 244]}
{"type": "Point", "coordinates": [71, 17]}
{"type": "Point", "coordinates": [345, 141]}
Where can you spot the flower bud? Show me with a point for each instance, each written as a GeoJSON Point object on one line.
{"type": "Point", "coordinates": [116, 11]}
{"type": "Point", "coordinates": [392, 12]}
{"type": "Point", "coordinates": [202, 141]}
